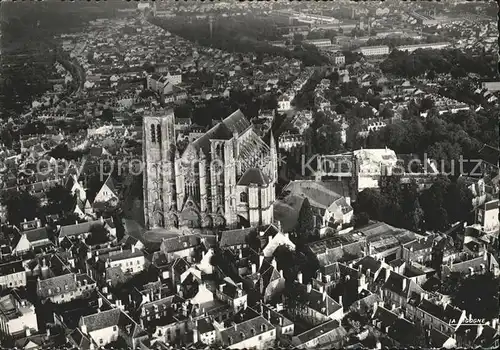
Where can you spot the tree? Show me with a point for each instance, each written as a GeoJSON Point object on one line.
{"type": "Point", "coordinates": [20, 205]}
{"type": "Point", "coordinates": [107, 115]}
{"type": "Point", "coordinates": [60, 200]}
{"type": "Point", "coordinates": [305, 225]}
{"type": "Point", "coordinates": [479, 302]}
{"type": "Point", "coordinates": [431, 75]}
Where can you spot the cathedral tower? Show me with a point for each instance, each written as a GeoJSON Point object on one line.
{"type": "Point", "coordinates": [158, 140]}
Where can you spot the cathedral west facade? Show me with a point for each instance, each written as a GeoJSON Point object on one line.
{"type": "Point", "coordinates": [225, 178]}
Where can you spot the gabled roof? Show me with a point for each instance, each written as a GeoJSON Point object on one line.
{"type": "Point", "coordinates": [36, 235]}
{"type": "Point", "coordinates": [232, 238]}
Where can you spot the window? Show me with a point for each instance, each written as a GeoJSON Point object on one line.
{"type": "Point", "coordinates": [260, 337]}
{"type": "Point", "coordinates": [114, 328]}
{"type": "Point", "coordinates": [243, 197]}
{"type": "Point", "coordinates": [100, 341]}
{"type": "Point", "coordinates": [153, 134]}
{"type": "Point", "coordinates": [158, 133]}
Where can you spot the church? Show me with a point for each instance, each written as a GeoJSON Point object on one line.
{"type": "Point", "coordinates": [223, 179]}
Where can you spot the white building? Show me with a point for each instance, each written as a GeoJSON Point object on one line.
{"type": "Point", "coordinates": [256, 333]}
{"type": "Point", "coordinates": [487, 216]}
{"type": "Point", "coordinates": [12, 275]}
{"type": "Point", "coordinates": [105, 327]}
{"type": "Point", "coordinates": [279, 239]}
{"type": "Point", "coordinates": [107, 192]}
{"type": "Point", "coordinates": [339, 59]}
{"type": "Point", "coordinates": [374, 50]}
{"type": "Point", "coordinates": [319, 42]}
{"type": "Point", "coordinates": [433, 46]}
{"type": "Point", "coordinates": [371, 164]}
{"type": "Point", "coordinates": [284, 103]}
{"type": "Point", "coordinates": [64, 288]}
{"type": "Point", "coordinates": [233, 295]}
{"type": "Point", "coordinates": [16, 315]}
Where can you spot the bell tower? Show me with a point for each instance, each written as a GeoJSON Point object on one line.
{"type": "Point", "coordinates": [158, 140]}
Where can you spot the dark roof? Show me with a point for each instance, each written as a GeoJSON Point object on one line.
{"type": "Point", "coordinates": [205, 326]}
{"type": "Point", "coordinates": [38, 234]}
{"type": "Point", "coordinates": [329, 332]}
{"type": "Point", "coordinates": [386, 317]}
{"type": "Point", "coordinates": [234, 123]}
{"type": "Point", "coordinates": [489, 154]}
{"type": "Point", "coordinates": [253, 176]}
{"type": "Point", "coordinates": [11, 267]}
{"type": "Point", "coordinates": [235, 237]}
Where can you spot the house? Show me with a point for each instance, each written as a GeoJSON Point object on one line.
{"type": "Point", "coordinates": [16, 315]}
{"type": "Point", "coordinates": [284, 103]}
{"type": "Point", "coordinates": [339, 212]}
{"type": "Point", "coordinates": [487, 216]}
{"type": "Point", "coordinates": [397, 289]}
{"type": "Point", "coordinates": [85, 229]}
{"type": "Point", "coordinates": [419, 250]}
{"type": "Point", "coordinates": [329, 334]}
{"type": "Point", "coordinates": [12, 274]}
{"type": "Point", "coordinates": [60, 289]}
{"type": "Point", "coordinates": [267, 281]}
{"type": "Point", "coordinates": [107, 193]}
{"type": "Point", "coordinates": [315, 306]}
{"type": "Point", "coordinates": [233, 295]}
{"type": "Point", "coordinates": [284, 326]}
{"type": "Point", "coordinates": [279, 239]}
{"type": "Point", "coordinates": [435, 313]}
{"type": "Point", "coordinates": [205, 331]}
{"type": "Point", "coordinates": [76, 188]}
{"type": "Point", "coordinates": [253, 333]}
{"type": "Point", "coordinates": [106, 326]}
{"type": "Point", "coordinates": [30, 240]}
{"type": "Point", "coordinates": [181, 247]}
{"type": "Point", "coordinates": [116, 265]}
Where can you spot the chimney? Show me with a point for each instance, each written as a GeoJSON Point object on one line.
{"type": "Point", "coordinates": [393, 307]}
{"type": "Point", "coordinates": [368, 273]}
{"type": "Point", "coordinates": [261, 260]}
{"type": "Point", "coordinates": [299, 277]}
{"type": "Point", "coordinates": [240, 254]}
{"type": "Point", "coordinates": [99, 302]}
{"type": "Point", "coordinates": [261, 233]}
{"type": "Point", "coordinates": [274, 264]}
{"type": "Point", "coordinates": [309, 288]}
{"type": "Point", "coordinates": [321, 288]}
{"type": "Point", "coordinates": [254, 268]}
{"type": "Point", "coordinates": [28, 332]}
{"type": "Point", "coordinates": [221, 287]}
{"type": "Point", "coordinates": [48, 332]}
{"type": "Point", "coordinates": [387, 274]}
{"type": "Point", "coordinates": [404, 283]}
{"type": "Point", "coordinates": [340, 300]}
{"type": "Point", "coordinates": [268, 314]}
{"type": "Point", "coordinates": [83, 328]}
{"type": "Point", "coordinates": [281, 273]}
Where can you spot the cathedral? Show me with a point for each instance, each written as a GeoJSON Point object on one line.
{"type": "Point", "coordinates": [223, 179]}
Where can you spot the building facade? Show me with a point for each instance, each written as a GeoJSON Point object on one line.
{"type": "Point", "coordinates": [226, 177]}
